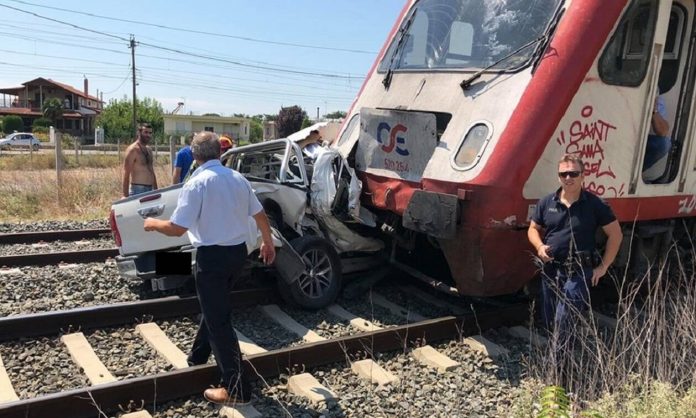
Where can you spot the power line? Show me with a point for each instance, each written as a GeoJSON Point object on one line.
{"type": "Point", "coordinates": [214, 88]}
{"type": "Point", "coordinates": [260, 67]}
{"type": "Point", "coordinates": [30, 27]}
{"type": "Point", "coordinates": [120, 85]}
{"type": "Point", "coordinates": [64, 23]}
{"type": "Point", "coordinates": [193, 54]}
{"type": "Point", "coordinates": [220, 35]}
{"type": "Point", "coordinates": [117, 68]}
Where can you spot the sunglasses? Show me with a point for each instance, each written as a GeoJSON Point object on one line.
{"type": "Point", "coordinates": [571, 174]}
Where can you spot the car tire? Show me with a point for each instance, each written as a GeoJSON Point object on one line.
{"type": "Point", "coordinates": [36, 147]}
{"type": "Point", "coordinates": [319, 285]}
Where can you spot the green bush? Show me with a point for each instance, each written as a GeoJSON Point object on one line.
{"type": "Point", "coordinates": [68, 141]}
{"type": "Point", "coordinates": [41, 123]}
{"type": "Point", "coordinates": [11, 123]}
{"type": "Point", "coordinates": [40, 130]}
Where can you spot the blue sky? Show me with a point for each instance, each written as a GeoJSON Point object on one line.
{"type": "Point", "coordinates": [334, 43]}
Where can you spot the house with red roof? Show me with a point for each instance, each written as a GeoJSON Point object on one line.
{"type": "Point", "coordinates": [80, 110]}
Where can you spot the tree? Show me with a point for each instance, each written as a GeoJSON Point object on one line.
{"type": "Point", "coordinates": [290, 120]}
{"type": "Point", "coordinates": [306, 123]}
{"type": "Point", "coordinates": [217, 115]}
{"type": "Point", "coordinates": [42, 123]}
{"type": "Point", "coordinates": [255, 131]}
{"type": "Point", "coordinates": [52, 109]}
{"type": "Point", "coordinates": [339, 114]}
{"type": "Point", "coordinates": [117, 117]}
{"type": "Point", "coordinates": [11, 123]}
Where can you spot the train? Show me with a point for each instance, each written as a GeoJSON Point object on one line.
{"type": "Point", "coordinates": [461, 121]}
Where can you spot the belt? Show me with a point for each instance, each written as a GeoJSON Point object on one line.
{"type": "Point", "coordinates": [583, 260]}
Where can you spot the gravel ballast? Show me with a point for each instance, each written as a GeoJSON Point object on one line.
{"type": "Point", "coordinates": [57, 246]}
{"type": "Point", "coordinates": [40, 226]}
{"type": "Point", "coordinates": [51, 288]}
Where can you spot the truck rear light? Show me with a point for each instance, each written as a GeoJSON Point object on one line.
{"type": "Point", "coordinates": [114, 228]}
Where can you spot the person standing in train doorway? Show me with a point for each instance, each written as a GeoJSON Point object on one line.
{"type": "Point", "coordinates": [213, 207]}
{"type": "Point", "coordinates": [562, 231]}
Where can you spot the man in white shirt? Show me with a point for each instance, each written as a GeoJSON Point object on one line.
{"type": "Point", "coordinates": [213, 208]}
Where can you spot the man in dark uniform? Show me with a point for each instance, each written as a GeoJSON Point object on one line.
{"type": "Point", "coordinates": [562, 231]}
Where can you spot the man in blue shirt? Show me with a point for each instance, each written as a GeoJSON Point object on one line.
{"type": "Point", "coordinates": [659, 144]}
{"type": "Point", "coordinates": [213, 207]}
{"type": "Point", "coordinates": [184, 159]}
{"type": "Point", "coordinates": [562, 231]}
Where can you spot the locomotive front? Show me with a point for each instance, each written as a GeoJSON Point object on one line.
{"type": "Point", "coordinates": [427, 134]}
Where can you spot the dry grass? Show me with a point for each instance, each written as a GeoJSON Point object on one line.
{"type": "Point", "coordinates": [645, 366]}
{"type": "Point", "coordinates": [32, 193]}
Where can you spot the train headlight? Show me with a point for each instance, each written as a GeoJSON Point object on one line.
{"type": "Point", "coordinates": [472, 145]}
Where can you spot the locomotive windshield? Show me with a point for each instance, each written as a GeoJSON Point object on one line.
{"type": "Point", "coordinates": [468, 34]}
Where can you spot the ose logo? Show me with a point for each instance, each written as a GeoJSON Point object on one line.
{"type": "Point", "coordinates": [395, 140]}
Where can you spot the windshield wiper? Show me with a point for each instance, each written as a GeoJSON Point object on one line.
{"type": "Point", "coordinates": [397, 50]}
{"type": "Point", "coordinates": [467, 83]}
{"type": "Point", "coordinates": [541, 40]}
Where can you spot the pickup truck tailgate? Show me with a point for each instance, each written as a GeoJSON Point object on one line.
{"type": "Point", "coordinates": [130, 213]}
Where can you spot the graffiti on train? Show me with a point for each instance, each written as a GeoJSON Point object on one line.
{"type": "Point", "coordinates": [587, 137]}
{"type": "Point", "coordinates": [687, 205]}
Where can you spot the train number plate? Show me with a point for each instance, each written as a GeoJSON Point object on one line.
{"type": "Point", "coordinates": [395, 143]}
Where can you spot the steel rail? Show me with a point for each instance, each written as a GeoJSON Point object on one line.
{"type": "Point", "coordinates": [186, 382]}
{"type": "Point", "coordinates": [57, 322]}
{"type": "Point", "coordinates": [47, 259]}
{"type": "Point", "coordinates": [32, 237]}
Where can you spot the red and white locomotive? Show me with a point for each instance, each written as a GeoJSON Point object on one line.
{"type": "Point", "coordinates": [458, 128]}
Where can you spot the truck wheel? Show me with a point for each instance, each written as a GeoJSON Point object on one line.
{"type": "Point", "coordinates": [318, 286]}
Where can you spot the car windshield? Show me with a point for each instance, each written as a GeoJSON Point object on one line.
{"type": "Point", "coordinates": [468, 34]}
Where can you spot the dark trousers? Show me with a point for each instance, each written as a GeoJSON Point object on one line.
{"type": "Point", "coordinates": [563, 292]}
{"type": "Point", "coordinates": [216, 268]}
{"type": "Point", "coordinates": [566, 296]}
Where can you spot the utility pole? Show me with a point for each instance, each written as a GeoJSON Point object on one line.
{"type": "Point", "coordinates": [135, 124]}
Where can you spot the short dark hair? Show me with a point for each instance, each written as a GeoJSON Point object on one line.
{"type": "Point", "coordinates": [572, 158]}
{"type": "Point", "coordinates": [144, 125]}
{"type": "Point", "coordinates": [314, 131]}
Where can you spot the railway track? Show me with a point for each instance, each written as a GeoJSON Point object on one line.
{"type": "Point", "coordinates": [45, 248]}
{"type": "Point", "coordinates": [47, 236]}
{"type": "Point", "coordinates": [311, 350]}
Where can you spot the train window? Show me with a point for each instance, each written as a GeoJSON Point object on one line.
{"type": "Point", "coordinates": [626, 57]}
{"type": "Point", "coordinates": [352, 123]}
{"type": "Point", "coordinates": [670, 60]}
{"type": "Point", "coordinates": [468, 34]}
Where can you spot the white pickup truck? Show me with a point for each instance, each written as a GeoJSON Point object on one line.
{"type": "Point", "coordinates": [312, 204]}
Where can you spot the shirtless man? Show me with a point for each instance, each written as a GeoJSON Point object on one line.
{"type": "Point", "coordinates": [138, 171]}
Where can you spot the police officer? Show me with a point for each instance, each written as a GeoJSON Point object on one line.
{"type": "Point", "coordinates": [562, 231]}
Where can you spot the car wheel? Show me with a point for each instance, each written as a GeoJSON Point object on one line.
{"type": "Point", "coordinates": [318, 286]}
{"type": "Point", "coordinates": [35, 147]}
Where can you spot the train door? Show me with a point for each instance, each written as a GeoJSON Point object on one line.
{"type": "Point", "coordinates": [658, 160]}
{"type": "Point", "coordinates": [675, 92]}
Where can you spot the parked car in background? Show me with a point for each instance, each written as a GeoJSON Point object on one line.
{"type": "Point", "coordinates": [20, 139]}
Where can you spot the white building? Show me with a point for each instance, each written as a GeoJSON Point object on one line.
{"type": "Point", "coordinates": [180, 125]}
